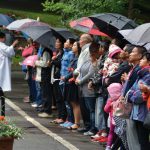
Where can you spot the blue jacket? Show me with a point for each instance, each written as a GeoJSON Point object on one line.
{"type": "Point", "coordinates": [139, 109]}
{"type": "Point", "coordinates": [68, 56]}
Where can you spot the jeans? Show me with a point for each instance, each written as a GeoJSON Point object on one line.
{"type": "Point", "coordinates": [38, 93]}
{"type": "Point", "coordinates": [70, 116]}
{"type": "Point", "coordinates": [90, 104]}
{"type": "Point", "coordinates": [99, 114]}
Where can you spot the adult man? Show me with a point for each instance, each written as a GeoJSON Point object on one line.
{"type": "Point", "coordinates": [6, 53]}
{"type": "Point", "coordinates": [85, 41]}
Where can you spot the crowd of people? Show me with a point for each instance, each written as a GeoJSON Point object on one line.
{"type": "Point", "coordinates": [89, 79]}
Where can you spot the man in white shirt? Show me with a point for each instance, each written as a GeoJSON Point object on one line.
{"type": "Point", "coordinates": [6, 53]}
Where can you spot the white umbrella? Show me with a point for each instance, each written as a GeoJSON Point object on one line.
{"type": "Point", "coordinates": [18, 23]}
{"type": "Point", "coordinates": [125, 32]}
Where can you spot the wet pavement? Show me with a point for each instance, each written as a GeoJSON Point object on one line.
{"type": "Point", "coordinates": [35, 139]}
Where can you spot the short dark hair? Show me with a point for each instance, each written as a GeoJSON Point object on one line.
{"type": "Point", "coordinates": [2, 35]}
{"type": "Point", "coordinates": [147, 55]}
{"type": "Point", "coordinates": [94, 47]}
{"type": "Point", "coordinates": [71, 40]}
{"type": "Point", "coordinates": [141, 50]}
{"type": "Point", "coordinates": [129, 48]}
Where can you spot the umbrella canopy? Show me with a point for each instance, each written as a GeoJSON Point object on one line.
{"type": "Point", "coordinates": [44, 35]}
{"type": "Point", "coordinates": [32, 23]}
{"type": "Point", "coordinates": [65, 33]}
{"type": "Point", "coordinates": [5, 20]}
{"type": "Point", "coordinates": [140, 35]}
{"type": "Point", "coordinates": [86, 25]}
{"type": "Point", "coordinates": [110, 23]}
{"type": "Point", "coordinates": [18, 23]}
{"type": "Point", "coordinates": [125, 32]}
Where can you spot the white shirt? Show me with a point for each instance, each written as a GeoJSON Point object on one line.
{"type": "Point", "coordinates": [6, 53]}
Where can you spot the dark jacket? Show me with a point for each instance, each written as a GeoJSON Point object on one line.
{"type": "Point", "coordinates": [57, 65]}
{"type": "Point", "coordinates": [124, 67]}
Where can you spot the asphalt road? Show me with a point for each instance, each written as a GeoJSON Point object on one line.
{"type": "Point", "coordinates": [39, 133]}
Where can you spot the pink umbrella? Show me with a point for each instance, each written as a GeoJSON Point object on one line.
{"type": "Point", "coordinates": [30, 61]}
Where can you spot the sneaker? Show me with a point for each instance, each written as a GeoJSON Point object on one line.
{"type": "Point", "coordinates": [88, 133]}
{"type": "Point", "coordinates": [103, 140]}
{"type": "Point", "coordinates": [82, 130]}
{"type": "Point", "coordinates": [64, 124]}
{"type": "Point", "coordinates": [108, 148]}
{"type": "Point", "coordinates": [34, 105]}
{"type": "Point", "coordinates": [45, 115]}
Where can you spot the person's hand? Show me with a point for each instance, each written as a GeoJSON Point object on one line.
{"type": "Point", "coordinates": [90, 86]}
{"type": "Point", "coordinates": [124, 77]}
{"type": "Point", "coordinates": [62, 78]}
{"type": "Point", "coordinates": [48, 63]}
{"type": "Point", "coordinates": [54, 57]}
{"type": "Point", "coordinates": [70, 69]}
{"type": "Point", "coordinates": [77, 81]}
{"type": "Point", "coordinates": [72, 80]}
{"type": "Point", "coordinates": [15, 43]}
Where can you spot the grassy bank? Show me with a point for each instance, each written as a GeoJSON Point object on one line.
{"type": "Point", "coordinates": [52, 20]}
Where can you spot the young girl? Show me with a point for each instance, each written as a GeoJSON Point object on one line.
{"type": "Point", "coordinates": [114, 91]}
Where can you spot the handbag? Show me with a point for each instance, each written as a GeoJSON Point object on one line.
{"type": "Point", "coordinates": [122, 108]}
{"type": "Point", "coordinates": [147, 120]}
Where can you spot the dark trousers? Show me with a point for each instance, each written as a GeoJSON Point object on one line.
{"type": "Point", "coordinates": [143, 135]}
{"type": "Point", "coordinates": [85, 113]}
{"type": "Point", "coordinates": [46, 89]}
{"type": "Point", "coordinates": [70, 116]}
{"type": "Point", "coordinates": [57, 94]}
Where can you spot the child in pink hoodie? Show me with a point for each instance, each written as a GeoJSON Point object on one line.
{"type": "Point", "coordinates": [114, 91]}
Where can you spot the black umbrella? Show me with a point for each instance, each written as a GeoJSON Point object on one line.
{"type": "Point", "coordinates": [42, 34]}
{"type": "Point", "coordinates": [140, 35]}
{"type": "Point", "coordinates": [110, 23]}
{"type": "Point", "coordinates": [65, 33]}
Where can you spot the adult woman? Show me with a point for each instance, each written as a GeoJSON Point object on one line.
{"type": "Point", "coordinates": [71, 89]}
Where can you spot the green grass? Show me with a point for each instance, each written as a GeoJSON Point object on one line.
{"type": "Point", "coordinates": [52, 20]}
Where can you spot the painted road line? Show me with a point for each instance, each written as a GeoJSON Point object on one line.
{"type": "Point", "coordinates": [40, 126]}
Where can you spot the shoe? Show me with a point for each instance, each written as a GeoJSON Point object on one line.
{"type": "Point", "coordinates": [26, 99]}
{"type": "Point", "coordinates": [40, 106]}
{"type": "Point", "coordinates": [59, 121]}
{"type": "Point", "coordinates": [88, 133]}
{"type": "Point", "coordinates": [45, 115]}
{"type": "Point", "coordinates": [74, 127]}
{"type": "Point", "coordinates": [34, 105]}
{"type": "Point", "coordinates": [53, 107]}
{"type": "Point", "coordinates": [108, 148]}
{"type": "Point", "coordinates": [97, 139]}
{"type": "Point", "coordinates": [68, 125]}
{"type": "Point", "coordinates": [63, 124]}
{"type": "Point", "coordinates": [82, 130]}
{"type": "Point", "coordinates": [99, 133]}
{"type": "Point", "coordinates": [103, 140]}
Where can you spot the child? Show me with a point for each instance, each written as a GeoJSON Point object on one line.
{"type": "Point", "coordinates": [114, 91]}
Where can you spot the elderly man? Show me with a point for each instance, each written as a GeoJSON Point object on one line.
{"type": "Point", "coordinates": [6, 53]}
{"type": "Point", "coordinates": [85, 41]}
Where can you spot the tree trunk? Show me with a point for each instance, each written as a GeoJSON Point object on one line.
{"type": "Point", "coordinates": [130, 8]}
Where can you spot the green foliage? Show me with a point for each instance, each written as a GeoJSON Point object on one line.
{"type": "Point", "coordinates": [9, 129]}
{"type": "Point", "coordinates": [72, 9]}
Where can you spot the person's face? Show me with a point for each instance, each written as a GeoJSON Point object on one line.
{"type": "Point", "coordinates": [134, 55]}
{"type": "Point", "coordinates": [75, 47]}
{"type": "Point", "coordinates": [3, 39]}
{"type": "Point", "coordinates": [101, 50]}
{"type": "Point", "coordinates": [144, 62]}
{"type": "Point", "coordinates": [82, 41]}
{"type": "Point", "coordinates": [67, 44]}
{"type": "Point", "coordinates": [58, 44]}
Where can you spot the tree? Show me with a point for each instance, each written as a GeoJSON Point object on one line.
{"type": "Point", "coordinates": [72, 9]}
